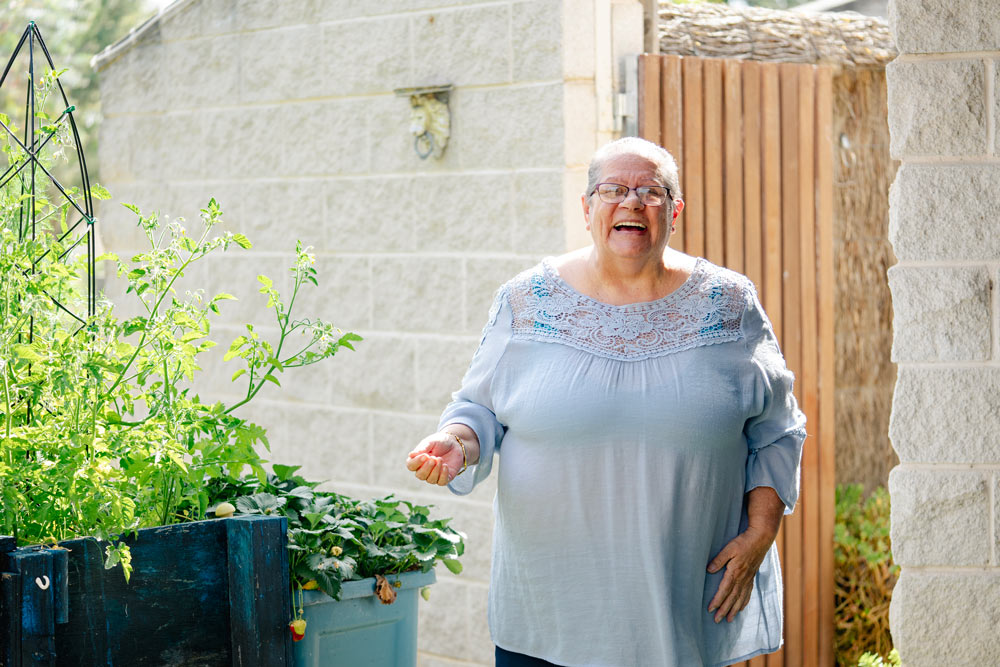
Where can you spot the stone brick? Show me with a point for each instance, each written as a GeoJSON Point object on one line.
{"type": "Point", "coordinates": [202, 72]}
{"type": "Point", "coordinates": [417, 294]}
{"type": "Point", "coordinates": [345, 229]}
{"type": "Point", "coordinates": [253, 143]}
{"type": "Point", "coordinates": [996, 518]}
{"type": "Point", "coordinates": [471, 215]}
{"type": "Point", "coordinates": [441, 364]}
{"type": "Point", "coordinates": [186, 199]}
{"type": "Point", "coordinates": [378, 375]}
{"type": "Point", "coordinates": [395, 435]}
{"type": "Point", "coordinates": [275, 214]}
{"type": "Point", "coordinates": [147, 83]}
{"type": "Point", "coordinates": [512, 127]}
{"type": "Point", "coordinates": [199, 19]}
{"type": "Point", "coordinates": [116, 225]}
{"type": "Point", "coordinates": [364, 57]}
{"type": "Point", "coordinates": [479, 629]}
{"type": "Point", "coordinates": [921, 124]}
{"type": "Point", "coordinates": [940, 314]}
{"type": "Point", "coordinates": [538, 214]}
{"type": "Point", "coordinates": [344, 294]}
{"type": "Point", "coordinates": [966, 196]}
{"type": "Point", "coordinates": [343, 10]}
{"type": "Point", "coordinates": [946, 618]}
{"type": "Point", "coordinates": [467, 46]}
{"type": "Point", "coordinates": [942, 26]}
{"type": "Point", "coordinates": [329, 443]}
{"type": "Point", "coordinates": [444, 619]}
{"type": "Point", "coordinates": [536, 26]}
{"type": "Point", "coordinates": [579, 122]}
{"type": "Point", "coordinates": [391, 142]}
{"type": "Point", "coordinates": [113, 148]}
{"type": "Point", "coordinates": [174, 148]}
{"type": "Point", "coordinates": [280, 64]}
{"type": "Point", "coordinates": [483, 278]}
{"type": "Point", "coordinates": [939, 517]}
{"type": "Point", "coordinates": [949, 415]}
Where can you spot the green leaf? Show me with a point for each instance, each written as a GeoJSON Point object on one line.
{"type": "Point", "coordinates": [260, 503]}
{"type": "Point", "coordinates": [265, 281]}
{"type": "Point", "coordinates": [237, 374]}
{"type": "Point", "coordinates": [453, 565]}
{"type": "Point", "coordinates": [242, 241]}
{"type": "Point", "coordinates": [133, 208]}
{"type": "Point", "coordinates": [100, 192]}
{"type": "Point", "coordinates": [283, 472]}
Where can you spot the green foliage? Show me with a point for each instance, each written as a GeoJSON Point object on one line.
{"type": "Point", "coordinates": [864, 573]}
{"type": "Point", "coordinates": [333, 538]}
{"type": "Point", "coordinates": [875, 660]}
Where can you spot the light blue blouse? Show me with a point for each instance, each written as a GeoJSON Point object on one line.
{"type": "Point", "coordinates": [627, 438]}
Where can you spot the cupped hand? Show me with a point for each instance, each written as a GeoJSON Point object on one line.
{"type": "Point", "coordinates": [437, 459]}
{"type": "Point", "coordinates": [741, 557]}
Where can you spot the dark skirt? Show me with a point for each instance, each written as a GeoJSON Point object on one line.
{"type": "Point", "coordinates": [506, 658]}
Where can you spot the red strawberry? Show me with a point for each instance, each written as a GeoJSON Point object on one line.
{"type": "Point", "coordinates": [298, 628]}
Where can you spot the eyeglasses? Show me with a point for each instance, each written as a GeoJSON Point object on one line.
{"type": "Point", "coordinates": [649, 195]}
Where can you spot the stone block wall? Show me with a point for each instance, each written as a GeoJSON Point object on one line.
{"type": "Point", "coordinates": [944, 214]}
{"type": "Point", "coordinates": [284, 111]}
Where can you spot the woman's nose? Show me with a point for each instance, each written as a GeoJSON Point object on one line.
{"type": "Point", "coordinates": [631, 200]}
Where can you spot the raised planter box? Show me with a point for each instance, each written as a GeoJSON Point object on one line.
{"type": "Point", "coordinates": [360, 631]}
{"type": "Point", "coordinates": [207, 593]}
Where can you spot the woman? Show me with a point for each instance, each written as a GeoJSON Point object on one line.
{"type": "Point", "coordinates": [648, 443]}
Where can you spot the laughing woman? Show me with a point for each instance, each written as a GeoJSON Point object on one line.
{"type": "Point", "coordinates": [648, 443]}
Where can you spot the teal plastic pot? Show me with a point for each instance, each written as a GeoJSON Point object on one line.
{"type": "Point", "coordinates": [358, 630]}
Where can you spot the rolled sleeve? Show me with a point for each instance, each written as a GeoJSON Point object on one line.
{"type": "Point", "coordinates": [472, 404]}
{"type": "Point", "coordinates": [776, 431]}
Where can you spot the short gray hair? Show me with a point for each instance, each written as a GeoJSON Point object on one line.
{"type": "Point", "coordinates": [666, 167]}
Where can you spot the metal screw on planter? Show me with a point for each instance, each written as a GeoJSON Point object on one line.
{"type": "Point", "coordinates": [36, 180]}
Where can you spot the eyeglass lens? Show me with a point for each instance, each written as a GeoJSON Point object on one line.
{"type": "Point", "coordinates": [649, 195]}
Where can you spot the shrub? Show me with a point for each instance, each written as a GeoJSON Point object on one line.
{"type": "Point", "coordinates": [864, 575]}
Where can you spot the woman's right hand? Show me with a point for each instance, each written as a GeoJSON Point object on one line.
{"type": "Point", "coordinates": [438, 458]}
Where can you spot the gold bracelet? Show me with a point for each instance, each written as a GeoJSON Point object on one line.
{"type": "Point", "coordinates": [465, 458]}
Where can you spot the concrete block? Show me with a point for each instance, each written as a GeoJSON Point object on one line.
{"type": "Point", "coordinates": [939, 518]}
{"type": "Point", "coordinates": [343, 10]}
{"type": "Point", "coordinates": [946, 618]}
{"type": "Point", "coordinates": [471, 214]}
{"type": "Point", "coordinates": [522, 126]}
{"type": "Point", "coordinates": [466, 46]}
{"type": "Point", "coordinates": [265, 14]}
{"type": "Point", "coordinates": [578, 27]}
{"type": "Point", "coordinates": [942, 26]}
{"type": "Point", "coordinates": [965, 198]}
{"type": "Point", "coordinates": [325, 138]}
{"type": "Point", "coordinates": [253, 142]}
{"type": "Point", "coordinates": [395, 435]}
{"type": "Point", "coordinates": [444, 619]}
{"type": "Point", "coordinates": [483, 278]}
{"type": "Point", "coordinates": [418, 293]}
{"type": "Point", "coordinates": [117, 226]}
{"type": "Point", "coordinates": [940, 314]}
{"type": "Point", "coordinates": [199, 19]}
{"type": "Point", "coordinates": [580, 122]}
{"type": "Point", "coordinates": [391, 143]}
{"type": "Point", "coordinates": [538, 220]}
{"type": "Point", "coordinates": [187, 199]}
{"type": "Point", "coordinates": [948, 415]}
{"type": "Point", "coordinates": [277, 65]}
{"type": "Point", "coordinates": [202, 72]}
{"type": "Point", "coordinates": [390, 230]}
{"type": "Point", "coordinates": [275, 214]}
{"type": "Point", "coordinates": [365, 57]}
{"type": "Point", "coordinates": [114, 148]}
{"type": "Point", "coordinates": [378, 375]}
{"type": "Point", "coordinates": [921, 123]}
{"type": "Point", "coordinates": [148, 85]}
{"type": "Point", "coordinates": [479, 630]}
{"type": "Point", "coordinates": [441, 364]}
{"type": "Point", "coordinates": [996, 518]}
{"type": "Point", "coordinates": [174, 147]}
{"type": "Point", "coordinates": [344, 294]}
{"type": "Point", "coordinates": [536, 44]}
{"type": "Point", "coordinates": [329, 443]}
{"type": "Point", "coordinates": [235, 272]}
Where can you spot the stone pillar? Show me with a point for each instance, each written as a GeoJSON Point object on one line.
{"type": "Point", "coordinates": [945, 426]}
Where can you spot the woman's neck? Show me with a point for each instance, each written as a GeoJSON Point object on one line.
{"type": "Point", "coordinates": [619, 281]}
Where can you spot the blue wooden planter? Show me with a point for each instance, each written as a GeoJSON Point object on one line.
{"type": "Point", "coordinates": [360, 631]}
{"type": "Point", "coordinates": [207, 593]}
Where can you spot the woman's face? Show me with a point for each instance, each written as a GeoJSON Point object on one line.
{"type": "Point", "coordinates": [629, 229]}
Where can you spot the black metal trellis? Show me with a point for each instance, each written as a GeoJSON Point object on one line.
{"type": "Point", "coordinates": [34, 142]}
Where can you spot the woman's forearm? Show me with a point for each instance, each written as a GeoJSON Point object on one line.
{"type": "Point", "coordinates": [764, 511]}
{"type": "Point", "coordinates": [469, 439]}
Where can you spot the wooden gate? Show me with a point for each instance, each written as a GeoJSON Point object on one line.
{"type": "Point", "coordinates": [753, 144]}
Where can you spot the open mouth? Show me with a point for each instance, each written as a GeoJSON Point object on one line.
{"type": "Point", "coordinates": [630, 227]}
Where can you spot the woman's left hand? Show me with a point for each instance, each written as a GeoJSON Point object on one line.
{"type": "Point", "coordinates": [745, 552]}
{"type": "Point", "coordinates": [741, 558]}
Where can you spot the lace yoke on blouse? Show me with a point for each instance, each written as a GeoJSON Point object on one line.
{"type": "Point", "coordinates": [705, 310]}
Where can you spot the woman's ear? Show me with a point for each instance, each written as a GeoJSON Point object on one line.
{"type": "Point", "coordinates": [678, 207]}
{"type": "Point", "coordinates": [586, 209]}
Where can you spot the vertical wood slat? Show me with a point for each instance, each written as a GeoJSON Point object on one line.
{"type": "Point", "coordinates": [672, 123]}
{"type": "Point", "coordinates": [649, 98]}
{"type": "Point", "coordinates": [715, 248]}
{"type": "Point", "coordinates": [732, 202]}
{"type": "Point", "coordinates": [767, 127]}
{"type": "Point", "coordinates": [808, 372]}
{"type": "Point", "coordinates": [752, 258]}
{"type": "Point", "coordinates": [827, 372]}
{"type": "Point", "coordinates": [692, 170]}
